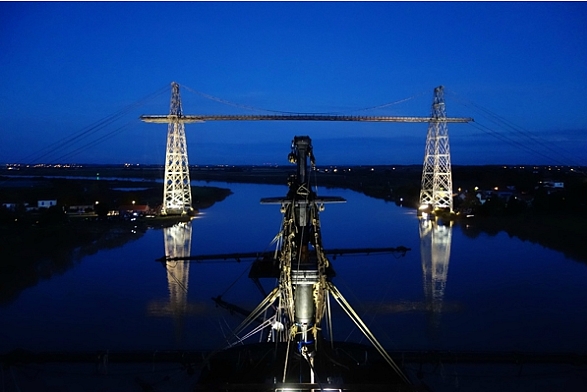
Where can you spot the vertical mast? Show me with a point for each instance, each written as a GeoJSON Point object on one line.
{"type": "Point", "coordinates": [177, 193]}
{"type": "Point", "coordinates": [436, 191]}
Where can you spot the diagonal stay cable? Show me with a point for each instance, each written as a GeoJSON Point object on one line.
{"type": "Point", "coordinates": [266, 303]}
{"type": "Point", "coordinates": [518, 131]}
{"type": "Point", "coordinates": [87, 131]}
{"type": "Point", "coordinates": [92, 143]}
{"type": "Point", "coordinates": [249, 107]}
{"type": "Point", "coordinates": [357, 319]}
{"type": "Point", "coordinates": [513, 142]}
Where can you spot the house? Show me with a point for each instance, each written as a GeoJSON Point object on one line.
{"type": "Point", "coordinates": [504, 195]}
{"type": "Point", "coordinates": [134, 210]}
{"type": "Point", "coordinates": [81, 209]}
{"type": "Point", "coordinates": [553, 185]}
{"type": "Point", "coordinates": [46, 203]}
{"type": "Point", "coordinates": [10, 206]}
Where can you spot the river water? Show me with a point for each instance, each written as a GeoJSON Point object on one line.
{"type": "Point", "coordinates": [454, 290]}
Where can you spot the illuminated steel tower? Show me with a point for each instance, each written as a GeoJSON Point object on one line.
{"type": "Point", "coordinates": [177, 193]}
{"type": "Point", "coordinates": [436, 189]}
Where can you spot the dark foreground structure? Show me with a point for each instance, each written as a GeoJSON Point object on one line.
{"type": "Point", "coordinates": [198, 371]}
{"type": "Point", "coordinates": [262, 366]}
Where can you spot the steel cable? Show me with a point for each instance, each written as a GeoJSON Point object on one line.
{"type": "Point", "coordinates": [91, 129]}
{"type": "Point", "coordinates": [248, 107]}
{"type": "Point", "coordinates": [517, 130]}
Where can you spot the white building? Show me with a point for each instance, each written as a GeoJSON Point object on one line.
{"type": "Point", "coordinates": [554, 185]}
{"type": "Point", "coordinates": [46, 203]}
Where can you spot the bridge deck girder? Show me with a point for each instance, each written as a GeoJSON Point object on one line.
{"type": "Point", "coordinates": [198, 118]}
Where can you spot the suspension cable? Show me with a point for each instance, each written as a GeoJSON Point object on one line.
{"type": "Point", "coordinates": [91, 129]}
{"type": "Point", "coordinates": [94, 142]}
{"type": "Point", "coordinates": [248, 107]}
{"type": "Point", "coordinates": [518, 130]}
{"type": "Point", "coordinates": [391, 103]}
{"type": "Point", "coordinates": [513, 142]}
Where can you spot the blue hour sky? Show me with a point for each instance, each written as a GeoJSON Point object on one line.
{"type": "Point", "coordinates": [519, 69]}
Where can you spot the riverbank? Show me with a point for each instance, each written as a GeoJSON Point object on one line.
{"type": "Point", "coordinates": [35, 245]}
{"type": "Point", "coordinates": [561, 232]}
{"type": "Point", "coordinates": [557, 224]}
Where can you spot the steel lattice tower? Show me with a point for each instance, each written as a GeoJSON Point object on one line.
{"type": "Point", "coordinates": [177, 193]}
{"type": "Point", "coordinates": [436, 189]}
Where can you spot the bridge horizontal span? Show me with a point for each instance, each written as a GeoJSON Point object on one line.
{"type": "Point", "coordinates": [296, 117]}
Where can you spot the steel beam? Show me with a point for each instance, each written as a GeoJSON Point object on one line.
{"type": "Point", "coordinates": [199, 118]}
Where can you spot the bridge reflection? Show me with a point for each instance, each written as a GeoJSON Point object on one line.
{"type": "Point", "coordinates": [435, 247]}
{"type": "Point", "coordinates": [435, 242]}
{"type": "Point", "coordinates": [178, 241]}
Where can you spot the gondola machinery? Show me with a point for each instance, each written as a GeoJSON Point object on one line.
{"type": "Point", "coordinates": [298, 352]}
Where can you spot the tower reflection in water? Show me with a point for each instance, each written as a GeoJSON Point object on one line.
{"type": "Point", "coordinates": [178, 242]}
{"type": "Point", "coordinates": [435, 241]}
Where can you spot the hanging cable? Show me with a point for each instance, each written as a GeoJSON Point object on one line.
{"type": "Point", "coordinates": [236, 280]}
{"type": "Point", "coordinates": [391, 103]}
{"type": "Point", "coordinates": [93, 143]}
{"type": "Point", "coordinates": [517, 130]}
{"type": "Point", "coordinates": [248, 107]}
{"type": "Point", "coordinates": [512, 142]}
{"type": "Point", "coordinates": [91, 129]}
{"type": "Point", "coordinates": [309, 361]}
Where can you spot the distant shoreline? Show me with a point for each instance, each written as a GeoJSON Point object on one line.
{"type": "Point", "coordinates": [398, 184]}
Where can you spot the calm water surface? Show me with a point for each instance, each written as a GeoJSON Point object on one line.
{"type": "Point", "coordinates": [467, 293]}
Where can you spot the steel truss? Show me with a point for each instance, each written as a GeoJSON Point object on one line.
{"type": "Point", "coordinates": [436, 191]}
{"type": "Point", "coordinates": [177, 193]}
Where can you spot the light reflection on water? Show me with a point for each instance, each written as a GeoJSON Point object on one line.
{"type": "Point", "coordinates": [499, 293]}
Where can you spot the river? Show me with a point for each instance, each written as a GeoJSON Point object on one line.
{"type": "Point", "coordinates": [451, 291]}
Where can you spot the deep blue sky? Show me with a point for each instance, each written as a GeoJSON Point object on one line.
{"type": "Point", "coordinates": [65, 66]}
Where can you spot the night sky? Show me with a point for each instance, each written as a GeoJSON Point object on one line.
{"type": "Point", "coordinates": [519, 69]}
